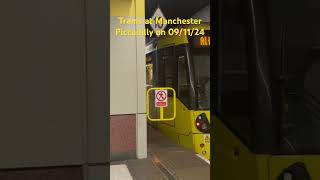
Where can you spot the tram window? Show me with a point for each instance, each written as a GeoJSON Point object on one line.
{"type": "Point", "coordinates": [168, 75]}
{"type": "Point", "coordinates": [301, 118]}
{"type": "Point", "coordinates": [159, 68]}
{"type": "Point", "coordinates": [149, 75]}
{"type": "Point", "coordinates": [301, 99]}
{"type": "Point", "coordinates": [170, 69]}
{"type": "Point", "coordinates": [183, 82]}
{"type": "Point", "coordinates": [235, 96]}
{"type": "Point", "coordinates": [149, 71]}
{"type": "Point", "coordinates": [201, 60]}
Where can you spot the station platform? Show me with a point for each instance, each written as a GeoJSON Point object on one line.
{"type": "Point", "coordinates": [166, 161]}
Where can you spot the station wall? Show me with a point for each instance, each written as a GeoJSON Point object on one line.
{"type": "Point", "coordinates": [127, 83]}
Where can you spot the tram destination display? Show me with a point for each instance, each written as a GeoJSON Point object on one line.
{"type": "Point", "coordinates": [201, 41]}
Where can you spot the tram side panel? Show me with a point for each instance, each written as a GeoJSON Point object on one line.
{"type": "Point", "coordinates": [166, 73]}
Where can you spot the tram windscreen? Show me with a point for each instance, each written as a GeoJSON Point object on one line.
{"type": "Point", "coordinates": [201, 61]}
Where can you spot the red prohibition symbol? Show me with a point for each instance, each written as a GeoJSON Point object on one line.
{"type": "Point", "coordinates": [161, 96]}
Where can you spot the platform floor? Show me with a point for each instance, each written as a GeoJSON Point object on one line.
{"type": "Point", "coordinates": [166, 161]}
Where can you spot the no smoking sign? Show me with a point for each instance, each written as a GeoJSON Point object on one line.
{"type": "Point", "coordinates": [161, 98]}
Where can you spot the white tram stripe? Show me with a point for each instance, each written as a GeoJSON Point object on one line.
{"type": "Point", "coordinates": [201, 157]}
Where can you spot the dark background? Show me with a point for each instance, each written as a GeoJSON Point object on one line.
{"type": "Point", "coordinates": [54, 91]}
{"type": "Point", "coordinates": [175, 8]}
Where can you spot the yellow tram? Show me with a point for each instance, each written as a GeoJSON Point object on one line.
{"type": "Point", "coordinates": [266, 91]}
{"type": "Point", "coordinates": [183, 63]}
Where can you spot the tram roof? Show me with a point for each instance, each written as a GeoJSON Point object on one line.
{"type": "Point", "coordinates": [167, 41]}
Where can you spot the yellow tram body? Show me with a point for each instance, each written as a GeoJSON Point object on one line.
{"type": "Point", "coordinates": [182, 130]}
{"type": "Point", "coordinates": [230, 153]}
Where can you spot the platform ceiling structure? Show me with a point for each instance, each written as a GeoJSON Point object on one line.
{"type": "Point", "coordinates": [175, 8]}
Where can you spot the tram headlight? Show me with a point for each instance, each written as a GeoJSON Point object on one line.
{"type": "Point", "coordinates": [296, 171]}
{"type": "Point", "coordinates": [202, 123]}
{"type": "Point", "coordinates": [287, 176]}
